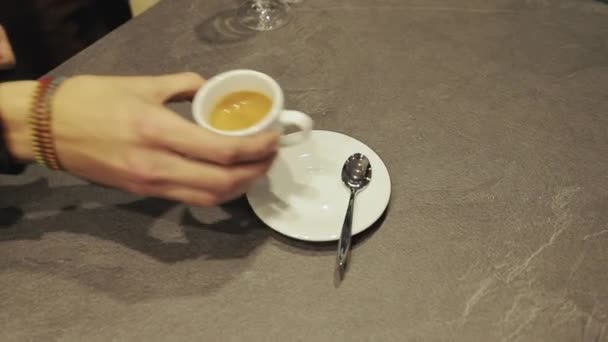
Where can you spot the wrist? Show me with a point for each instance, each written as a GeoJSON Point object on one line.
{"type": "Point", "coordinates": [15, 102]}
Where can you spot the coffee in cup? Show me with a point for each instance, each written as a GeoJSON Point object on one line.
{"type": "Point", "coordinates": [247, 102]}
{"type": "Point", "coordinates": [240, 110]}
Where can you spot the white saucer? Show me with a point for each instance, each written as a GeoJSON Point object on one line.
{"type": "Point", "coordinates": [303, 196]}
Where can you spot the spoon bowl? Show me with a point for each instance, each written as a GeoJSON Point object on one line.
{"type": "Point", "coordinates": [356, 175]}
{"type": "Point", "coordinates": [356, 172]}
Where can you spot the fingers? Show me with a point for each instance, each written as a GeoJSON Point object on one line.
{"type": "Point", "coordinates": [181, 194]}
{"type": "Point", "coordinates": [176, 134]}
{"type": "Point", "coordinates": [185, 194]}
{"type": "Point", "coordinates": [164, 88]}
{"type": "Point", "coordinates": [165, 167]}
{"type": "Point", "coordinates": [223, 180]}
{"type": "Point", "coordinates": [164, 174]}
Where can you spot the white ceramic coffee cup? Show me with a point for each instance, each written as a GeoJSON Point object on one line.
{"type": "Point", "coordinates": [249, 80]}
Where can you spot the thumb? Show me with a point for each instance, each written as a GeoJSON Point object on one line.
{"type": "Point", "coordinates": [175, 86]}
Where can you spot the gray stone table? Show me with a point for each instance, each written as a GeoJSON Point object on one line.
{"type": "Point", "coordinates": [492, 117]}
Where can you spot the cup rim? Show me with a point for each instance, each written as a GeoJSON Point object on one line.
{"type": "Point", "coordinates": [277, 105]}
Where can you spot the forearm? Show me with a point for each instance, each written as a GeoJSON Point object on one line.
{"type": "Point", "coordinates": [15, 102]}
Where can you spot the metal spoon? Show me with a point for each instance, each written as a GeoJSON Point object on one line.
{"type": "Point", "coordinates": [356, 175]}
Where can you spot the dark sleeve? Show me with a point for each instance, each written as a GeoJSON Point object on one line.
{"type": "Point", "coordinates": [8, 165]}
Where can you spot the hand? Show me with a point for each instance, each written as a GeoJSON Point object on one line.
{"type": "Point", "coordinates": [7, 57]}
{"type": "Point", "coordinates": [117, 131]}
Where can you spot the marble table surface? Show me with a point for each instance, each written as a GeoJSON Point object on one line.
{"type": "Point", "coordinates": [491, 116]}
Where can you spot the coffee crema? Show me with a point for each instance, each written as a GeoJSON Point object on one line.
{"type": "Point", "coordinates": [240, 110]}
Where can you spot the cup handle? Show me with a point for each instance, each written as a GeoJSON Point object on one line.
{"type": "Point", "coordinates": [299, 119]}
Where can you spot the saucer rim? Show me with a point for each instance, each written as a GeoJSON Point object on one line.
{"type": "Point", "coordinates": [364, 227]}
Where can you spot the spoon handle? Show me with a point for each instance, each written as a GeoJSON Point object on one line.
{"type": "Point", "coordinates": [345, 236]}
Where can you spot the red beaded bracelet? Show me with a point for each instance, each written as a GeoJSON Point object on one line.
{"type": "Point", "coordinates": [43, 143]}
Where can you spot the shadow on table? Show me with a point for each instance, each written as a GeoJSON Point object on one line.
{"type": "Point", "coordinates": [9, 216]}
{"type": "Point", "coordinates": [233, 233]}
{"type": "Point", "coordinates": [223, 28]}
{"type": "Point", "coordinates": [61, 209]}
{"type": "Point", "coordinates": [189, 238]}
{"type": "Point", "coordinates": [171, 250]}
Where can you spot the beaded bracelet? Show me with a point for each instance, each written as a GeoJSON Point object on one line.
{"type": "Point", "coordinates": [40, 119]}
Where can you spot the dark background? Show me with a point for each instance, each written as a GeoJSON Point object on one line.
{"type": "Point", "coordinates": [45, 33]}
